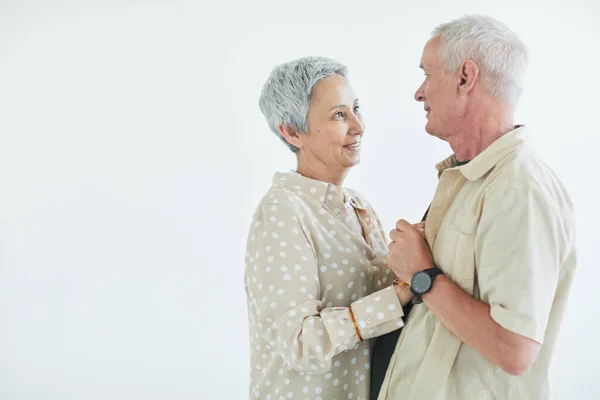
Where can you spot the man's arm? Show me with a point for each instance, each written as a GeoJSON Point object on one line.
{"type": "Point", "coordinates": [521, 239]}
{"type": "Point", "coordinates": [470, 320]}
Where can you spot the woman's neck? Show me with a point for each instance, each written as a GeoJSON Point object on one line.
{"type": "Point", "coordinates": [321, 173]}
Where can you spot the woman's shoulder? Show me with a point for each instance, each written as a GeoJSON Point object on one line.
{"type": "Point", "coordinates": [280, 194]}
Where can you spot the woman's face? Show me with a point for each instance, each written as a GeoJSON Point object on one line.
{"type": "Point", "coordinates": [335, 126]}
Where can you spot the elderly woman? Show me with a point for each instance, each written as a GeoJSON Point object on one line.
{"type": "Point", "coordinates": [317, 283]}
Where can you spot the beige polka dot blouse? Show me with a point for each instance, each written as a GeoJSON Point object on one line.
{"type": "Point", "coordinates": [309, 272]}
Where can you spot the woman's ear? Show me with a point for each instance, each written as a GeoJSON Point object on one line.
{"type": "Point", "coordinates": [290, 135]}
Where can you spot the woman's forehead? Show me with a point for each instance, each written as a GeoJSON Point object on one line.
{"type": "Point", "coordinates": [333, 90]}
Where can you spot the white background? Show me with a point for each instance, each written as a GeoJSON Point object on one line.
{"type": "Point", "coordinates": [133, 154]}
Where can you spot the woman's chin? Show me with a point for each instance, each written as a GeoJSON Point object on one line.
{"type": "Point", "coordinates": [350, 162]}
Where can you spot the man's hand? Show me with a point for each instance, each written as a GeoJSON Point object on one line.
{"type": "Point", "coordinates": [409, 253]}
{"type": "Point", "coordinates": [420, 227]}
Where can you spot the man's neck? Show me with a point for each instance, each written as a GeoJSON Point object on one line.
{"type": "Point", "coordinates": [478, 136]}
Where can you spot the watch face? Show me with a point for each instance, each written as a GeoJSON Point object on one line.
{"type": "Point", "coordinates": [421, 282]}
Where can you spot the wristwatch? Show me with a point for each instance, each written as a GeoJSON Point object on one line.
{"type": "Point", "coordinates": [422, 281]}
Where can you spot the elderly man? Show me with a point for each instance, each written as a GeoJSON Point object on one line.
{"type": "Point", "coordinates": [492, 275]}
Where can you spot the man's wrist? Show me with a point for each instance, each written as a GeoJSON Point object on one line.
{"type": "Point", "coordinates": [422, 282]}
{"type": "Point", "coordinates": [422, 267]}
{"type": "Point", "coordinates": [441, 280]}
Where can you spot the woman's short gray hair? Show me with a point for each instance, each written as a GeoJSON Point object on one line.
{"type": "Point", "coordinates": [498, 52]}
{"type": "Point", "coordinates": [286, 96]}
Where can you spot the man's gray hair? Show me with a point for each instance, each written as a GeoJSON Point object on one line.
{"type": "Point", "coordinates": [287, 94]}
{"type": "Point", "coordinates": [498, 52]}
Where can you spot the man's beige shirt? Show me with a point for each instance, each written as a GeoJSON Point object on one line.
{"type": "Point", "coordinates": [502, 228]}
{"type": "Point", "coordinates": [308, 265]}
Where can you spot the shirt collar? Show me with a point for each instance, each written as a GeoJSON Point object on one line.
{"type": "Point", "coordinates": [488, 158]}
{"type": "Point", "coordinates": [318, 191]}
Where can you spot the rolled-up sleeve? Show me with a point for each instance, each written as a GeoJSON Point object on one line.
{"type": "Point", "coordinates": [378, 313]}
{"type": "Point", "coordinates": [518, 249]}
{"type": "Point", "coordinates": [283, 287]}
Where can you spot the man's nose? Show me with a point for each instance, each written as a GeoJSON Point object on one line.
{"type": "Point", "coordinates": [420, 94]}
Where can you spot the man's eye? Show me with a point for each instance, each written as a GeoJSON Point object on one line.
{"type": "Point", "coordinates": [339, 114]}
{"type": "Point", "coordinates": [356, 108]}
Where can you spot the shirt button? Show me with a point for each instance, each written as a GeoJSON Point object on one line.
{"type": "Point", "coordinates": [368, 320]}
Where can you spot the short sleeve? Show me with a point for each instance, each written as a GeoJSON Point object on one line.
{"type": "Point", "coordinates": [518, 247]}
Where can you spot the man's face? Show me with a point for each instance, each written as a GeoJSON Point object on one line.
{"type": "Point", "coordinates": [439, 94]}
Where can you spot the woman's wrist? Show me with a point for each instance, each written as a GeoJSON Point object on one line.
{"type": "Point", "coordinates": [403, 291]}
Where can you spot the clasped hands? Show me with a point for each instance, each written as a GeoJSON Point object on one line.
{"type": "Point", "coordinates": [408, 253]}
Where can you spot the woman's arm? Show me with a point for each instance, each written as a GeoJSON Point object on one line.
{"type": "Point", "coordinates": [403, 291]}
{"type": "Point", "coordinates": [284, 289]}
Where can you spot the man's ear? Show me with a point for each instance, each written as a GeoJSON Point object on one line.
{"type": "Point", "coordinates": [290, 135]}
{"type": "Point", "coordinates": [467, 76]}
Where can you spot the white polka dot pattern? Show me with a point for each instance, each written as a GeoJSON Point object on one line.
{"type": "Point", "coordinates": [307, 265]}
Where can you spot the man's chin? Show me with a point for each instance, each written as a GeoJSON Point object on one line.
{"type": "Point", "coordinates": [432, 131]}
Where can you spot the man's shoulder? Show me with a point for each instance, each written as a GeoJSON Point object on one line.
{"type": "Point", "coordinates": [524, 170]}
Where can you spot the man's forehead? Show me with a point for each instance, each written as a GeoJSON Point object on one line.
{"type": "Point", "coordinates": [429, 52]}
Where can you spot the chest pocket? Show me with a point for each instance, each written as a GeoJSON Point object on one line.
{"type": "Point", "coordinates": [454, 250]}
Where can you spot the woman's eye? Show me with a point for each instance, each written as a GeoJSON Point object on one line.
{"type": "Point", "coordinates": [339, 114]}
{"type": "Point", "coordinates": [356, 108]}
